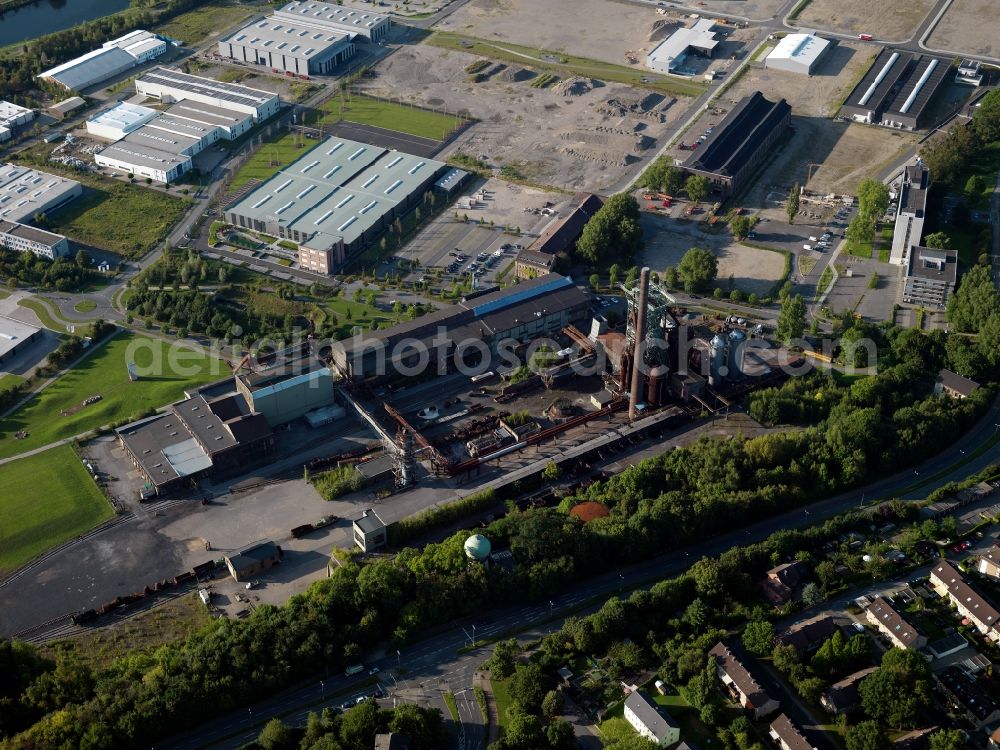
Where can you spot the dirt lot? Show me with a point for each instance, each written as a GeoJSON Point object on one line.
{"type": "Point", "coordinates": [578, 134]}
{"type": "Point", "coordinates": [818, 95]}
{"type": "Point", "coordinates": [893, 20]}
{"type": "Point", "coordinates": [962, 28]}
{"type": "Point", "coordinates": [759, 10]}
{"type": "Point", "coordinates": [753, 270]}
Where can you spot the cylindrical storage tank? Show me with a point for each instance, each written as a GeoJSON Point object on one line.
{"type": "Point", "coordinates": [716, 360]}
{"type": "Point", "coordinates": [737, 352]}
{"type": "Point", "coordinates": [659, 381]}
{"type": "Point", "coordinates": [477, 548]}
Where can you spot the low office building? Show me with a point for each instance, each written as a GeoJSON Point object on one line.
{"type": "Point", "coordinates": [12, 117]}
{"type": "Point", "coordinates": [253, 560]}
{"type": "Point", "coordinates": [842, 697]}
{"type": "Point", "coordinates": [116, 123]}
{"type": "Point", "coordinates": [670, 55]}
{"type": "Point", "coordinates": [531, 263]}
{"type": "Point", "coordinates": [891, 624]}
{"type": "Point", "coordinates": [989, 563]}
{"type": "Point", "coordinates": [969, 73]}
{"type": "Point", "coordinates": [737, 680]}
{"type": "Point", "coordinates": [909, 228]}
{"type": "Point", "coordinates": [230, 123]}
{"type": "Point", "coordinates": [287, 46]}
{"type": "Point", "coordinates": [474, 326]}
{"type": "Point", "coordinates": [952, 384]}
{"type": "Point", "coordinates": [363, 23]}
{"type": "Point", "coordinates": [15, 336]}
{"type": "Point", "coordinates": [157, 165]}
{"type": "Point", "coordinates": [287, 393]}
{"type": "Point", "coordinates": [172, 85]}
{"type": "Point", "coordinates": [896, 90]}
{"type": "Point", "coordinates": [797, 53]}
{"type": "Point", "coordinates": [930, 277]}
{"type": "Point", "coordinates": [787, 736]}
{"type": "Point", "coordinates": [948, 582]}
{"type": "Point", "coordinates": [194, 439]}
{"type": "Point", "coordinates": [142, 45]}
{"type": "Point", "coordinates": [369, 531]}
{"type": "Point", "coordinates": [21, 238]}
{"type": "Point", "coordinates": [203, 134]}
{"type": "Point", "coordinates": [740, 143]}
{"type": "Point", "coordinates": [649, 721]}
{"type": "Point", "coordinates": [25, 192]}
{"type": "Point", "coordinates": [337, 197]}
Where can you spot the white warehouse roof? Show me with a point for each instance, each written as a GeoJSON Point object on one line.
{"type": "Point", "coordinates": [123, 118]}
{"type": "Point", "coordinates": [803, 50]}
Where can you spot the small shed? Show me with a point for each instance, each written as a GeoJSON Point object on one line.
{"type": "Point", "coordinates": [252, 560]}
{"type": "Point", "coordinates": [60, 110]}
{"type": "Point", "coordinates": [369, 531]}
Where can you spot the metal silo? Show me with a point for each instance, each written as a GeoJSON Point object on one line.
{"type": "Point", "coordinates": [716, 360]}
{"type": "Point", "coordinates": [737, 352]}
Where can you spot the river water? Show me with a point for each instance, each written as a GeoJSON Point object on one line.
{"type": "Point", "coordinates": [46, 16]}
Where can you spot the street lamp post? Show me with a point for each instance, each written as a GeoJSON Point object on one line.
{"type": "Point", "coordinates": [398, 659]}
{"type": "Point", "coordinates": [322, 691]}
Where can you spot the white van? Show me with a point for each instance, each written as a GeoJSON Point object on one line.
{"type": "Point", "coordinates": [807, 247]}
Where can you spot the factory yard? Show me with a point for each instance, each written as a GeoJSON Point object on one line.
{"type": "Point", "coordinates": [753, 270]}
{"type": "Point", "coordinates": [590, 28]}
{"type": "Point", "coordinates": [962, 29]}
{"type": "Point", "coordinates": [897, 22]}
{"type": "Point", "coordinates": [579, 134]}
{"type": "Point", "coordinates": [818, 95]}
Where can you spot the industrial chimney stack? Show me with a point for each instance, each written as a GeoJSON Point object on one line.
{"type": "Point", "coordinates": [640, 334]}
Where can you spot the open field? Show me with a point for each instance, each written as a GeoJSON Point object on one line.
{"type": "Point", "coordinates": [753, 270]}
{"type": "Point", "coordinates": [44, 500]}
{"type": "Point", "coordinates": [563, 64]}
{"type": "Point", "coordinates": [9, 380]}
{"type": "Point", "coordinates": [580, 134]}
{"type": "Point", "coordinates": [756, 9]}
{"type": "Point", "coordinates": [965, 28]}
{"type": "Point", "coordinates": [366, 110]}
{"type": "Point", "coordinates": [166, 623]}
{"type": "Point", "coordinates": [818, 95]}
{"type": "Point", "coordinates": [595, 29]}
{"type": "Point", "coordinates": [895, 20]}
{"type": "Point", "coordinates": [58, 411]}
{"type": "Point", "coordinates": [196, 25]}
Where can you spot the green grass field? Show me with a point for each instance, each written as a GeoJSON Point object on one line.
{"type": "Point", "coordinates": [194, 26]}
{"type": "Point", "coordinates": [501, 695]}
{"type": "Point", "coordinates": [9, 380]}
{"type": "Point", "coordinates": [57, 412]}
{"type": "Point", "coordinates": [385, 114]}
{"type": "Point", "coordinates": [271, 157]}
{"type": "Point", "coordinates": [562, 64]}
{"type": "Point", "coordinates": [859, 249]}
{"type": "Point", "coordinates": [44, 500]}
{"type": "Point", "coordinates": [127, 219]}
{"type": "Point", "coordinates": [85, 306]}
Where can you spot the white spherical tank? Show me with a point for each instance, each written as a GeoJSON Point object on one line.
{"type": "Point", "coordinates": [477, 547]}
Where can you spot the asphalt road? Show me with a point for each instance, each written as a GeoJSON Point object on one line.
{"type": "Point", "coordinates": [437, 660]}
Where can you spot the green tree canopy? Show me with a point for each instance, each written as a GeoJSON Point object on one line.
{"type": "Point", "coordinates": [663, 176]}
{"type": "Point", "coordinates": [613, 231]}
{"type": "Point", "coordinates": [740, 226]}
{"type": "Point", "coordinates": [974, 301]}
{"type": "Point", "coordinates": [940, 240]}
{"type": "Point", "coordinates": [758, 638]}
{"type": "Point", "coordinates": [898, 692]}
{"type": "Point", "coordinates": [698, 269]}
{"type": "Point", "coordinates": [792, 205]}
{"type": "Point", "coordinates": [791, 319]}
{"type": "Point", "coordinates": [867, 735]}
{"type": "Point", "coordinates": [697, 187]}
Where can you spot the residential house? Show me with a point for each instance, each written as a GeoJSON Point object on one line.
{"type": "Point", "coordinates": [808, 635]}
{"type": "Point", "coordinates": [649, 721]}
{"type": "Point", "coordinates": [787, 736]}
{"type": "Point", "coordinates": [989, 564]}
{"type": "Point", "coordinates": [952, 384]}
{"type": "Point", "coordinates": [781, 582]}
{"type": "Point", "coordinates": [947, 581]}
{"type": "Point", "coordinates": [842, 697]}
{"type": "Point", "coordinates": [890, 623]}
{"type": "Point", "coordinates": [969, 696]}
{"type": "Point", "coordinates": [741, 685]}
{"type": "Point", "coordinates": [918, 739]}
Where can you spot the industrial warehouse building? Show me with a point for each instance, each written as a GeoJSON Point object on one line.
{"type": "Point", "coordinates": [116, 123]}
{"type": "Point", "coordinates": [15, 336]}
{"type": "Point", "coordinates": [230, 122]}
{"type": "Point", "coordinates": [289, 46]}
{"type": "Point", "coordinates": [287, 393]}
{"type": "Point", "coordinates": [909, 228]}
{"type": "Point", "coordinates": [172, 85]}
{"type": "Point", "coordinates": [26, 192]}
{"type": "Point", "coordinates": [366, 25]}
{"type": "Point", "coordinates": [21, 238]}
{"type": "Point", "coordinates": [797, 53]}
{"type": "Point", "coordinates": [741, 142]}
{"type": "Point", "coordinates": [13, 116]}
{"type": "Point", "coordinates": [161, 158]}
{"type": "Point", "coordinates": [670, 54]}
{"type": "Point", "coordinates": [335, 199]}
{"type": "Point", "coordinates": [896, 90]}
{"type": "Point", "coordinates": [521, 312]}
{"type": "Point", "coordinates": [111, 59]}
